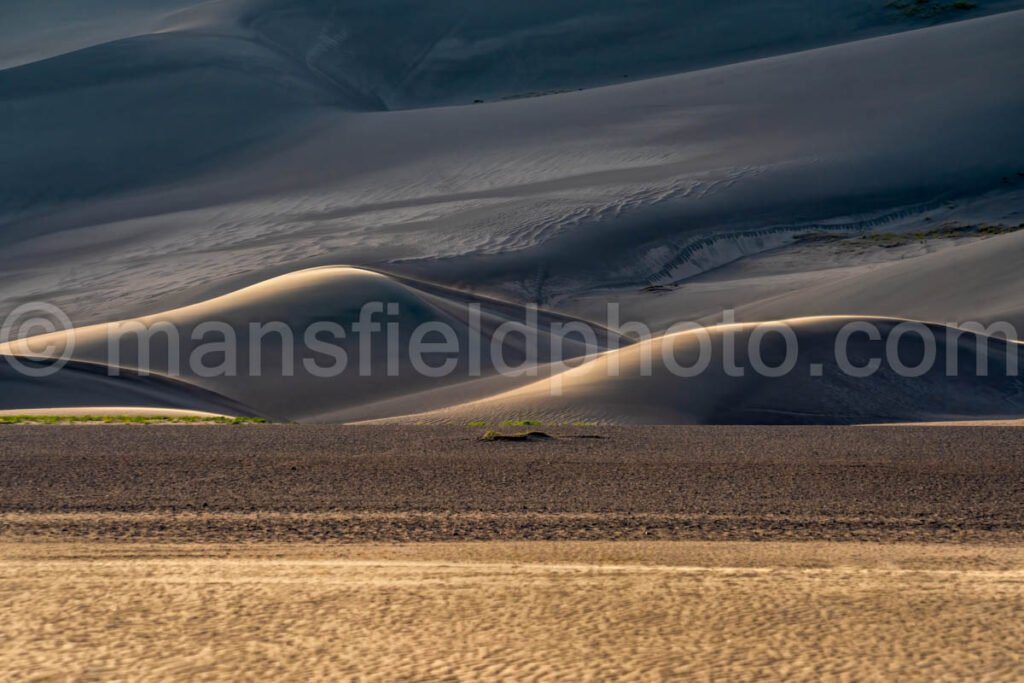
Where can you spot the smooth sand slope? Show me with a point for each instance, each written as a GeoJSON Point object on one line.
{"type": "Point", "coordinates": [953, 263]}
{"type": "Point", "coordinates": [110, 412]}
{"type": "Point", "coordinates": [282, 368]}
{"type": "Point", "coordinates": [954, 280]}
{"type": "Point", "coordinates": [977, 282]}
{"type": "Point", "coordinates": [539, 198]}
{"type": "Point", "coordinates": [688, 378]}
{"type": "Point", "coordinates": [841, 370]}
{"type": "Point", "coordinates": [546, 612]}
{"type": "Point", "coordinates": [30, 31]}
{"type": "Point", "coordinates": [445, 52]}
{"type": "Point", "coordinates": [456, 52]}
{"type": "Point", "coordinates": [83, 386]}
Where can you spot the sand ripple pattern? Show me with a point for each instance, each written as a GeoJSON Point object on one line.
{"type": "Point", "coordinates": [287, 619]}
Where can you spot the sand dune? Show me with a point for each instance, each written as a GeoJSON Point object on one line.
{"type": "Point", "coordinates": [31, 31]}
{"type": "Point", "coordinates": [957, 281]}
{"type": "Point", "coordinates": [270, 159]}
{"type": "Point", "coordinates": [444, 52]}
{"type": "Point", "coordinates": [728, 374]}
{"type": "Point", "coordinates": [894, 270]}
{"type": "Point", "coordinates": [538, 198]}
{"type": "Point", "coordinates": [616, 387]}
{"type": "Point", "coordinates": [84, 386]}
{"type": "Point", "coordinates": [457, 52]}
{"type": "Point", "coordinates": [272, 376]}
{"type": "Point", "coordinates": [843, 169]}
{"type": "Point", "coordinates": [977, 282]}
{"type": "Point", "coordinates": [237, 95]}
{"type": "Point", "coordinates": [107, 411]}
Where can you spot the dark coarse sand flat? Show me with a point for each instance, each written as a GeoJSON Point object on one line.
{"type": "Point", "coordinates": [209, 484]}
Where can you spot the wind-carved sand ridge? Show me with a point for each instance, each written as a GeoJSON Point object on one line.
{"type": "Point", "coordinates": [683, 378]}
{"type": "Point", "coordinates": [724, 374]}
{"type": "Point", "coordinates": [281, 175]}
{"type": "Point", "coordinates": [79, 387]}
{"type": "Point", "coordinates": [269, 376]}
{"type": "Point", "coordinates": [824, 165]}
{"type": "Point", "coordinates": [615, 388]}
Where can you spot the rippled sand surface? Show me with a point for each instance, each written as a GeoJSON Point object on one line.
{"type": "Point", "coordinates": [523, 611]}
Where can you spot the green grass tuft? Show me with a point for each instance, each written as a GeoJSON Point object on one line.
{"type": "Point", "coordinates": [522, 423]}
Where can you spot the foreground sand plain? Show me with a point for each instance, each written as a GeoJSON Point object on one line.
{"type": "Point", "coordinates": [512, 611]}
{"type": "Point", "coordinates": [283, 553]}
{"type": "Point", "coordinates": [336, 484]}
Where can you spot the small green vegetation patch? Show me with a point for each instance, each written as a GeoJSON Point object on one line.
{"type": "Point", "coordinates": [125, 419]}
{"type": "Point", "coordinates": [522, 423]}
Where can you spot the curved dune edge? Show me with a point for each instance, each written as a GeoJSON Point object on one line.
{"type": "Point", "coordinates": [83, 386]}
{"type": "Point", "coordinates": [109, 411]}
{"type": "Point", "coordinates": [591, 392]}
{"type": "Point", "coordinates": [612, 154]}
{"type": "Point", "coordinates": [300, 300]}
{"type": "Point", "coordinates": [954, 423]}
{"type": "Point", "coordinates": [594, 393]}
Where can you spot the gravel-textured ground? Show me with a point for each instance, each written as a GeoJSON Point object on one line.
{"type": "Point", "coordinates": [304, 483]}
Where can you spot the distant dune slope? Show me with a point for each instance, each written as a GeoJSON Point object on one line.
{"type": "Point", "coordinates": [616, 389]}
{"type": "Point", "coordinates": [951, 280]}
{"type": "Point", "coordinates": [169, 159]}
{"type": "Point", "coordinates": [979, 282]}
{"type": "Point", "coordinates": [139, 111]}
{"type": "Point", "coordinates": [214, 345]}
{"type": "Point", "coordinates": [724, 375]}
{"type": "Point", "coordinates": [453, 52]}
{"type": "Point", "coordinates": [83, 385]}
{"type": "Point", "coordinates": [31, 31]}
{"type": "Point", "coordinates": [256, 169]}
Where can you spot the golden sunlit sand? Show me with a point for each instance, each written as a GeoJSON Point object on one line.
{"type": "Point", "coordinates": [523, 611]}
{"type": "Point", "coordinates": [574, 341]}
{"type": "Point", "coordinates": [422, 553]}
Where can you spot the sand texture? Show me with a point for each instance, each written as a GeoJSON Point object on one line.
{"type": "Point", "coordinates": [207, 484]}
{"type": "Point", "coordinates": [804, 612]}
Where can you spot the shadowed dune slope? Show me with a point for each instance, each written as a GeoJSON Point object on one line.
{"type": "Point", "coordinates": [31, 31]}
{"type": "Point", "coordinates": [977, 282]}
{"type": "Point", "coordinates": [954, 281]}
{"type": "Point", "coordinates": [215, 345]}
{"type": "Point", "coordinates": [141, 111]}
{"type": "Point", "coordinates": [441, 51]}
{"type": "Point", "coordinates": [83, 386]}
{"type": "Point", "coordinates": [236, 346]}
{"type": "Point", "coordinates": [616, 388]}
{"type": "Point", "coordinates": [445, 51]}
{"type": "Point", "coordinates": [621, 186]}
